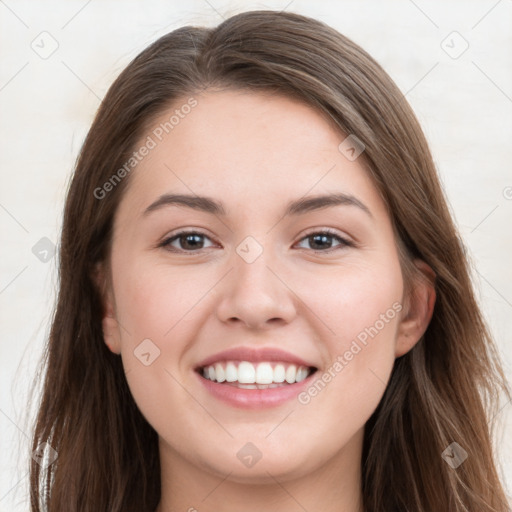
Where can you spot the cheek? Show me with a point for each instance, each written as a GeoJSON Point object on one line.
{"type": "Point", "coordinates": [362, 310]}
{"type": "Point", "coordinates": [158, 308]}
{"type": "Point", "coordinates": [157, 302]}
{"type": "Point", "coordinates": [367, 315]}
{"type": "Point", "coordinates": [356, 300]}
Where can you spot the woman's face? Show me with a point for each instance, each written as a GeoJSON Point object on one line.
{"type": "Point", "coordinates": [257, 276]}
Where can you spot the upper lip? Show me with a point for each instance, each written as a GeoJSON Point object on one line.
{"type": "Point", "coordinates": [254, 355]}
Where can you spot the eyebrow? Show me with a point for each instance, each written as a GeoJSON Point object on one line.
{"type": "Point", "coordinates": [296, 207]}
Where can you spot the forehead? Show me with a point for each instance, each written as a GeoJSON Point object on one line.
{"type": "Point", "coordinates": [252, 150]}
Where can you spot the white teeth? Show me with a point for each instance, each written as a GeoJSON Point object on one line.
{"type": "Point", "coordinates": [248, 386]}
{"type": "Point", "coordinates": [291, 373]}
{"type": "Point", "coordinates": [302, 373]}
{"type": "Point", "coordinates": [255, 376]}
{"type": "Point", "coordinates": [264, 373]}
{"type": "Point", "coordinates": [246, 373]}
{"type": "Point", "coordinates": [231, 373]}
{"type": "Point", "coordinates": [279, 373]}
{"type": "Point", "coordinates": [219, 373]}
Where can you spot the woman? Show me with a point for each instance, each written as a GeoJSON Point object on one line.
{"type": "Point", "coordinates": [264, 303]}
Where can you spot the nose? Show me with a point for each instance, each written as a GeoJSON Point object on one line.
{"type": "Point", "coordinates": [256, 294]}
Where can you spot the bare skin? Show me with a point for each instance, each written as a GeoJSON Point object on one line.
{"type": "Point", "coordinates": [255, 153]}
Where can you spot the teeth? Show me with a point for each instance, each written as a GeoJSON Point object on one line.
{"type": "Point", "coordinates": [246, 373]}
{"type": "Point", "coordinates": [302, 373]}
{"type": "Point", "coordinates": [279, 373]}
{"type": "Point", "coordinates": [264, 374]}
{"type": "Point", "coordinates": [291, 373]}
{"type": "Point", "coordinates": [231, 373]}
{"type": "Point", "coordinates": [260, 376]}
{"type": "Point", "coordinates": [219, 373]}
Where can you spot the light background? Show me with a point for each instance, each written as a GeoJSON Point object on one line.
{"type": "Point", "coordinates": [47, 104]}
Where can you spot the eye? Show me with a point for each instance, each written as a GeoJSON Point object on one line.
{"type": "Point", "coordinates": [190, 241]}
{"type": "Point", "coordinates": [322, 241]}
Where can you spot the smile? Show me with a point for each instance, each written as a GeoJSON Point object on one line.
{"type": "Point", "coordinates": [261, 375]}
{"type": "Point", "coordinates": [254, 384]}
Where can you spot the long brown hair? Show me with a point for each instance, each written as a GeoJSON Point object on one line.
{"type": "Point", "coordinates": [444, 390]}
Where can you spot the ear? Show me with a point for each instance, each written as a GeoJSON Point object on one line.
{"type": "Point", "coordinates": [418, 311]}
{"type": "Point", "coordinates": [110, 326]}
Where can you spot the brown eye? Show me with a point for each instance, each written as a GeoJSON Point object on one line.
{"type": "Point", "coordinates": [322, 241]}
{"type": "Point", "coordinates": [187, 241]}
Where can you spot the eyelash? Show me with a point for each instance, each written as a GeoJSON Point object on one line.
{"type": "Point", "coordinates": [331, 233]}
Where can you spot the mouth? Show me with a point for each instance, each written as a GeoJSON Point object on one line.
{"type": "Point", "coordinates": [248, 385]}
{"type": "Point", "coordinates": [261, 375]}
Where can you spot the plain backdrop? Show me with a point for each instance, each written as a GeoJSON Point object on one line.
{"type": "Point", "coordinates": [452, 59]}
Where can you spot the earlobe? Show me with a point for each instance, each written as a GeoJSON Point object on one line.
{"type": "Point", "coordinates": [110, 326]}
{"type": "Point", "coordinates": [419, 311]}
{"type": "Point", "coordinates": [111, 334]}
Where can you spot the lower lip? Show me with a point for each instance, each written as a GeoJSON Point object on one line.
{"type": "Point", "coordinates": [254, 398]}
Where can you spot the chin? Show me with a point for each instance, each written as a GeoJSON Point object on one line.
{"type": "Point", "coordinates": [249, 462]}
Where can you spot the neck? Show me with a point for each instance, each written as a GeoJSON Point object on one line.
{"type": "Point", "coordinates": [335, 486]}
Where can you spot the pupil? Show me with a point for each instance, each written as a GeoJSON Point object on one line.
{"type": "Point", "coordinates": [189, 238]}
{"type": "Point", "coordinates": [322, 237]}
